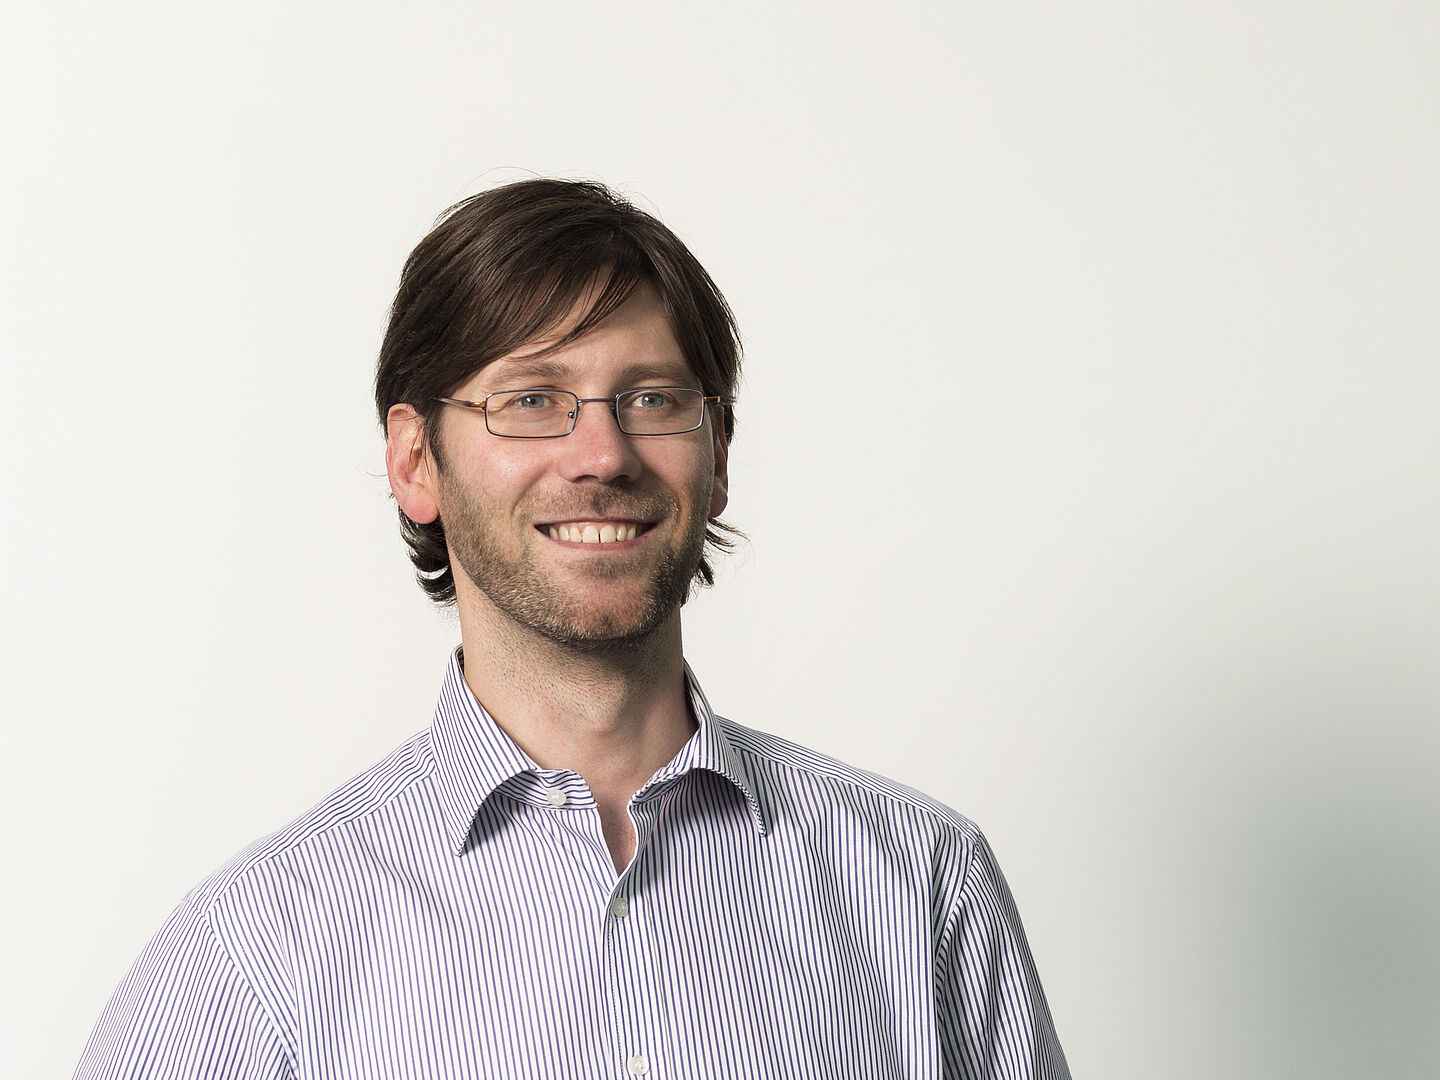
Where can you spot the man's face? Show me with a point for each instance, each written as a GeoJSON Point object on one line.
{"type": "Point", "coordinates": [529, 522]}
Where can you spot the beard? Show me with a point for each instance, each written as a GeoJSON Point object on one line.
{"type": "Point", "coordinates": [603, 608]}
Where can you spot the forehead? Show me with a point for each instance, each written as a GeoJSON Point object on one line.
{"type": "Point", "coordinates": [635, 345]}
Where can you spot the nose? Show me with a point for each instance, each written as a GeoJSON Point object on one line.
{"type": "Point", "coordinates": [597, 449]}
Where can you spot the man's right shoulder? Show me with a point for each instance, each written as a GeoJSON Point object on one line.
{"type": "Point", "coordinates": [381, 792]}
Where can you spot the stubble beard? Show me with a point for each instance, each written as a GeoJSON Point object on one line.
{"type": "Point", "coordinates": [575, 615]}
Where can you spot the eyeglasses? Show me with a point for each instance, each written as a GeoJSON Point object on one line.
{"type": "Point", "coordinates": [551, 414]}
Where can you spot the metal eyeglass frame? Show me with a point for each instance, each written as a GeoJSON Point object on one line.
{"type": "Point", "coordinates": [574, 414]}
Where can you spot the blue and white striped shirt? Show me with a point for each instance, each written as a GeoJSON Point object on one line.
{"type": "Point", "coordinates": [454, 913]}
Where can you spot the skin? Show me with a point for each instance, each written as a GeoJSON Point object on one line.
{"type": "Point", "coordinates": [574, 649]}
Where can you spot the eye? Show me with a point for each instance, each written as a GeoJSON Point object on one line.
{"type": "Point", "coordinates": [529, 402]}
{"type": "Point", "coordinates": [653, 399]}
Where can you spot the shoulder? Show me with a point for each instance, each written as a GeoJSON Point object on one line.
{"type": "Point", "coordinates": [794, 777]}
{"type": "Point", "coordinates": [377, 793]}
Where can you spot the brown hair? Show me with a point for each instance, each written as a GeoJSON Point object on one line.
{"type": "Point", "coordinates": [503, 268]}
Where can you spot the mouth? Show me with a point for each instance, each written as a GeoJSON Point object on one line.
{"type": "Point", "coordinates": [594, 532]}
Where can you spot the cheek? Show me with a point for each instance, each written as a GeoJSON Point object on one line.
{"type": "Point", "coordinates": [497, 476]}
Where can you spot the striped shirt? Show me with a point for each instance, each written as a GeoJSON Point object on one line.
{"type": "Point", "coordinates": [454, 913]}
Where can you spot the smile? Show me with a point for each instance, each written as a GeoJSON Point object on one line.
{"type": "Point", "coordinates": [594, 532]}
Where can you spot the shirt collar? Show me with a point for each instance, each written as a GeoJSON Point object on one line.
{"type": "Point", "coordinates": [474, 756]}
{"type": "Point", "coordinates": [711, 748]}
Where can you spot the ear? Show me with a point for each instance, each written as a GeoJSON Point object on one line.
{"type": "Point", "coordinates": [409, 464]}
{"type": "Point", "coordinates": [720, 493]}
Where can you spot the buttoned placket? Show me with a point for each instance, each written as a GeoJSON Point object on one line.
{"type": "Point", "coordinates": [634, 987]}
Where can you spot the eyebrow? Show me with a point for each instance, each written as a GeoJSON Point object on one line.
{"type": "Point", "coordinates": [544, 370]}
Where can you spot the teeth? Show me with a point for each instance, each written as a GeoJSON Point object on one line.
{"type": "Point", "coordinates": [593, 534]}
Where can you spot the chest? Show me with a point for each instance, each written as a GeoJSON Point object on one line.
{"type": "Point", "coordinates": [718, 952]}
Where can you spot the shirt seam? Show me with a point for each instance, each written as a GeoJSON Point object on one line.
{"type": "Point", "coordinates": [273, 1027]}
{"type": "Point", "coordinates": [955, 905]}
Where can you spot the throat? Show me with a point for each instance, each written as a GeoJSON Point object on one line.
{"type": "Point", "coordinates": [619, 833]}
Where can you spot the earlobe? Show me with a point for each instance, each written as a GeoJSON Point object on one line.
{"type": "Point", "coordinates": [720, 492]}
{"type": "Point", "coordinates": [409, 465]}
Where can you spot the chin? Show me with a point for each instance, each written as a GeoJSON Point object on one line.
{"type": "Point", "coordinates": [601, 632]}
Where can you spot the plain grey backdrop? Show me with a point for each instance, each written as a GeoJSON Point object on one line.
{"type": "Point", "coordinates": [1087, 447]}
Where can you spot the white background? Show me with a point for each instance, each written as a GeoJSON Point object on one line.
{"type": "Point", "coordinates": [1087, 448]}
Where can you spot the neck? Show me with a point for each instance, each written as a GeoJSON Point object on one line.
{"type": "Point", "coordinates": [613, 715]}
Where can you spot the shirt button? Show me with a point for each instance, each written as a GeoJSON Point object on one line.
{"type": "Point", "coordinates": [637, 1065]}
{"type": "Point", "coordinates": [555, 797]}
{"type": "Point", "coordinates": [619, 907]}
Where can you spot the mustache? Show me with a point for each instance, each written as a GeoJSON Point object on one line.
{"type": "Point", "coordinates": [610, 503]}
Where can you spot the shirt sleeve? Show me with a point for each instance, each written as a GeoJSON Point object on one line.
{"type": "Point", "coordinates": [184, 1012]}
{"type": "Point", "coordinates": [994, 1022]}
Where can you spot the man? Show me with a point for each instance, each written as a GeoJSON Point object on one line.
{"type": "Point", "coordinates": [580, 870]}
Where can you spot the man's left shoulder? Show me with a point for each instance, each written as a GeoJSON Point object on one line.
{"type": "Point", "coordinates": [790, 774]}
